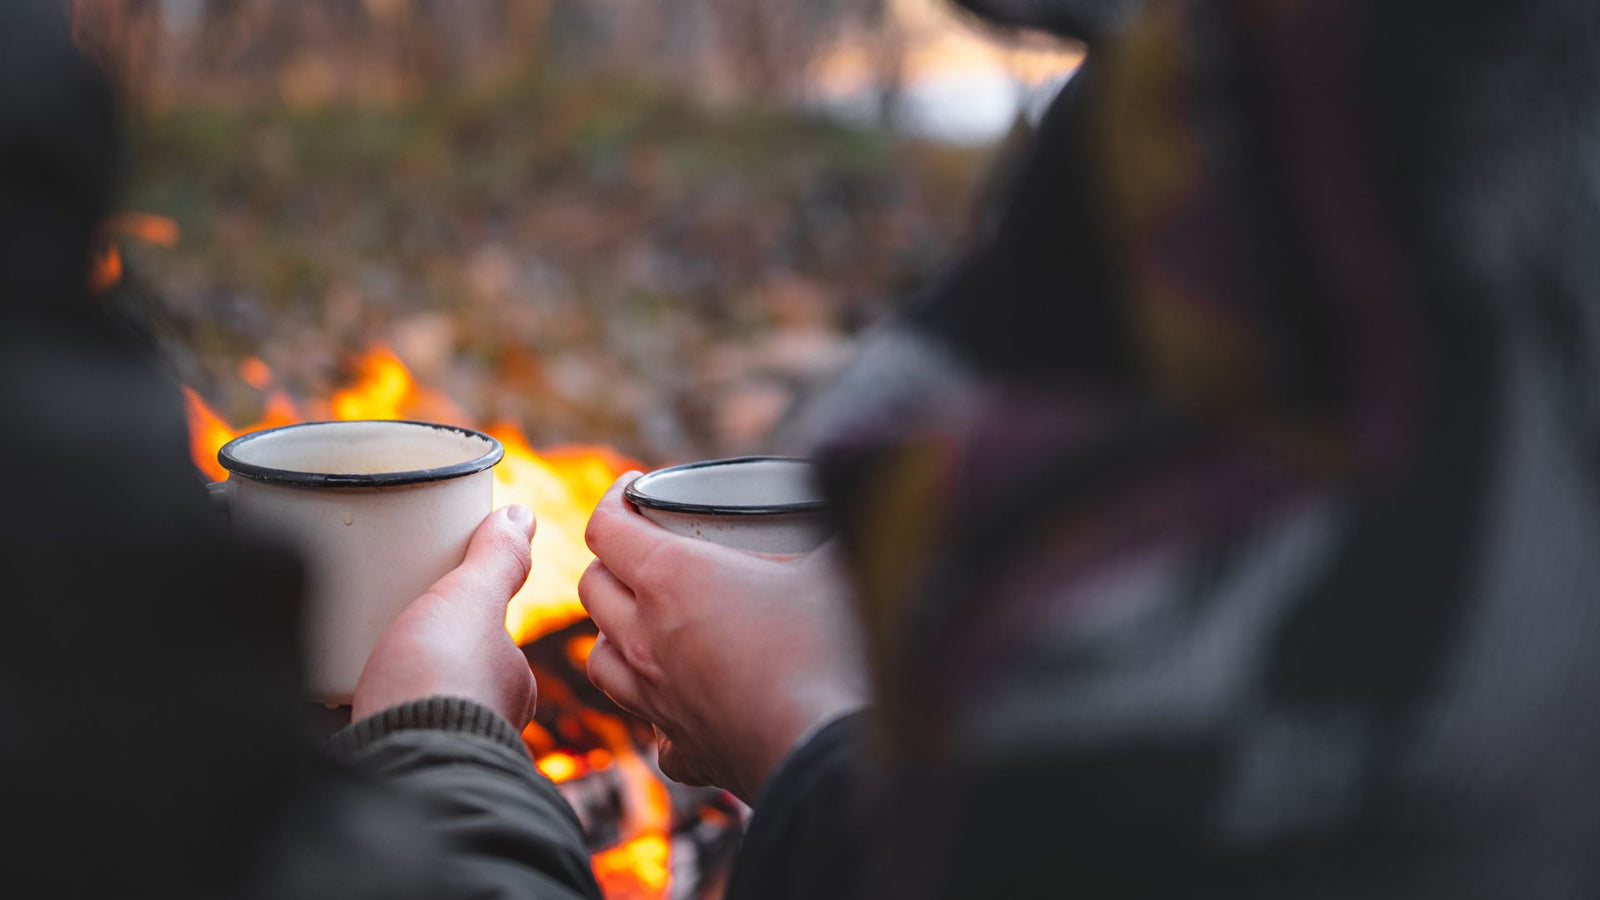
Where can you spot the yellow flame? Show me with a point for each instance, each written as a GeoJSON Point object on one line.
{"type": "Point", "coordinates": [637, 869]}
{"type": "Point", "coordinates": [561, 485]}
{"type": "Point", "coordinates": [559, 767]}
{"type": "Point", "coordinates": [380, 392]}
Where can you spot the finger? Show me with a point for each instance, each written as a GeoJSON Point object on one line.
{"type": "Point", "coordinates": [623, 539]}
{"type": "Point", "coordinates": [533, 701]}
{"type": "Point", "coordinates": [615, 611]}
{"type": "Point", "coordinates": [609, 673]}
{"type": "Point", "coordinates": [497, 561]}
{"type": "Point", "coordinates": [639, 552]}
{"type": "Point", "coordinates": [609, 602]}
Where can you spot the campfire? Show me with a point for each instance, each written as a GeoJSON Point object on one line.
{"type": "Point", "coordinates": [650, 838]}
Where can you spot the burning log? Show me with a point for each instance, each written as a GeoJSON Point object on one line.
{"type": "Point", "coordinates": [649, 836]}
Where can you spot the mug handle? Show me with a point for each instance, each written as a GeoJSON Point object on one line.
{"type": "Point", "coordinates": [219, 493]}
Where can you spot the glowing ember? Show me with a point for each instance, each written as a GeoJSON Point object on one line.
{"type": "Point", "coordinates": [637, 867]}
{"type": "Point", "coordinates": [559, 767]}
{"type": "Point", "coordinates": [105, 270]}
{"type": "Point", "coordinates": [578, 650]}
{"type": "Point", "coordinates": [255, 373]}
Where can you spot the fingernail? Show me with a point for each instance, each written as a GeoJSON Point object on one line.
{"type": "Point", "coordinates": [626, 477]}
{"type": "Point", "coordinates": [522, 516]}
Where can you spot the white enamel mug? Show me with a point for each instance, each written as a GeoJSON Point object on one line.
{"type": "Point", "coordinates": [379, 511]}
{"type": "Point", "coordinates": [769, 504]}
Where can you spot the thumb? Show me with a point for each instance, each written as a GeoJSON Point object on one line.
{"type": "Point", "coordinates": [497, 560]}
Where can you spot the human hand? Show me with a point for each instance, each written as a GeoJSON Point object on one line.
{"type": "Point", "coordinates": [732, 655]}
{"type": "Point", "coordinates": [452, 641]}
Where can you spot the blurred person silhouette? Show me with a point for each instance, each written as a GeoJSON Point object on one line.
{"type": "Point", "coordinates": [152, 740]}
{"type": "Point", "coordinates": [1223, 524]}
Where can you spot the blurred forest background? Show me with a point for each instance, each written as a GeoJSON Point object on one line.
{"type": "Point", "coordinates": [655, 224]}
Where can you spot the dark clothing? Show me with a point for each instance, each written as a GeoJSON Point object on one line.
{"type": "Point", "coordinates": [507, 830]}
{"type": "Point", "coordinates": [806, 838]}
{"type": "Point", "coordinates": [152, 740]}
{"type": "Point", "coordinates": [1248, 546]}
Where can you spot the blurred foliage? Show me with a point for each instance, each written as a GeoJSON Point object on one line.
{"type": "Point", "coordinates": [593, 256]}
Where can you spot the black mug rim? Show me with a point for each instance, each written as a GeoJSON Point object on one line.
{"type": "Point", "coordinates": [639, 498]}
{"type": "Point", "coordinates": [228, 458]}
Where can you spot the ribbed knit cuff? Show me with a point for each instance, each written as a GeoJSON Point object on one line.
{"type": "Point", "coordinates": [433, 714]}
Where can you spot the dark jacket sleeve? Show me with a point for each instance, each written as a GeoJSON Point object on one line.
{"type": "Point", "coordinates": [506, 830]}
{"type": "Point", "coordinates": [806, 839]}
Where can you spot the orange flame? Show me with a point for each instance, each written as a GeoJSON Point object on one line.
{"type": "Point", "coordinates": [560, 485]}
{"type": "Point", "coordinates": [105, 269]}
{"type": "Point", "coordinates": [578, 650]}
{"type": "Point", "coordinates": [207, 433]}
{"type": "Point", "coordinates": [147, 227]}
{"type": "Point", "coordinates": [638, 868]}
